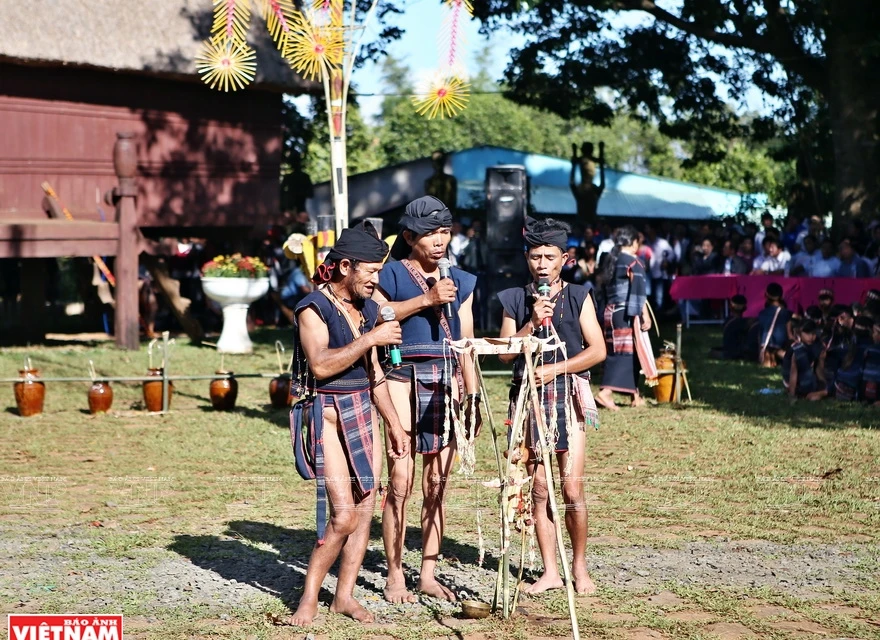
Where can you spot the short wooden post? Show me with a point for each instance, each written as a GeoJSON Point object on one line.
{"type": "Point", "coordinates": [125, 165]}
{"type": "Point", "coordinates": [677, 394]}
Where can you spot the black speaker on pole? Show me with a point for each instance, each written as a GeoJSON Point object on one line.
{"type": "Point", "coordinates": [507, 193]}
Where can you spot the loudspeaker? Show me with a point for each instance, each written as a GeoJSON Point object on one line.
{"type": "Point", "coordinates": [506, 204]}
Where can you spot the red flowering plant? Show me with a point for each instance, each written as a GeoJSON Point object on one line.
{"type": "Point", "coordinates": [235, 266]}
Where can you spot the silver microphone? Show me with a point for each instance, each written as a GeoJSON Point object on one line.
{"type": "Point", "coordinates": [444, 265]}
{"type": "Point", "coordinates": [388, 315]}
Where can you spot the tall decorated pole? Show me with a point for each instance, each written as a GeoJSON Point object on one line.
{"type": "Point", "coordinates": [322, 42]}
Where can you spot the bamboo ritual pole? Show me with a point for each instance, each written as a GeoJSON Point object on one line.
{"type": "Point", "coordinates": [547, 456]}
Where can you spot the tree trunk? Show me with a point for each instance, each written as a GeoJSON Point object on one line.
{"type": "Point", "coordinates": [854, 103]}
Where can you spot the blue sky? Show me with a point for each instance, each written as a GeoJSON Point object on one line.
{"type": "Point", "coordinates": [418, 48]}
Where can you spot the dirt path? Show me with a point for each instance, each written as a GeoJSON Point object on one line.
{"type": "Point", "coordinates": [221, 574]}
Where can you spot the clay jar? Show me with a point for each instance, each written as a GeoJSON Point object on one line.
{"type": "Point", "coordinates": [224, 392]}
{"type": "Point", "coordinates": [101, 397]}
{"type": "Point", "coordinates": [29, 393]}
{"type": "Point", "coordinates": [153, 391]}
{"type": "Point", "coordinates": [279, 391]}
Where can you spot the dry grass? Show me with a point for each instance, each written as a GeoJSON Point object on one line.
{"type": "Point", "coordinates": [142, 488]}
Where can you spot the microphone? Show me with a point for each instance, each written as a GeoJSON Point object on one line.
{"type": "Point", "coordinates": [544, 290]}
{"type": "Point", "coordinates": [444, 265]}
{"type": "Point", "coordinates": [388, 315]}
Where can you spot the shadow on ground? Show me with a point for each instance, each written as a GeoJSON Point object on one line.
{"type": "Point", "coordinates": [240, 555]}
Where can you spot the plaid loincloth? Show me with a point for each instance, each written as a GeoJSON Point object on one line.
{"type": "Point", "coordinates": [355, 416]}
{"type": "Point", "coordinates": [429, 391]}
{"type": "Point", "coordinates": [618, 340]}
{"type": "Point", "coordinates": [578, 402]}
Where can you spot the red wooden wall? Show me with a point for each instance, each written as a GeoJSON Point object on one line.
{"type": "Point", "coordinates": [204, 158]}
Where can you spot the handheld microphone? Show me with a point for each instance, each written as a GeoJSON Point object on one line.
{"type": "Point", "coordinates": [444, 265]}
{"type": "Point", "coordinates": [544, 290]}
{"type": "Point", "coordinates": [388, 315]}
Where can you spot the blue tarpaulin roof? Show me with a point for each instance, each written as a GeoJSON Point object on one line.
{"type": "Point", "coordinates": [626, 194]}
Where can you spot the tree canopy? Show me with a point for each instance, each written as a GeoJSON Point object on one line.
{"type": "Point", "coordinates": [814, 60]}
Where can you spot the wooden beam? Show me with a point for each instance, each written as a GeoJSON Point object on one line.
{"type": "Point", "coordinates": [48, 230]}
{"type": "Point", "coordinates": [126, 319]}
{"type": "Point", "coordinates": [57, 248]}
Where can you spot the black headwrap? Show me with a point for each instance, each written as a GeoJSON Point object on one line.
{"type": "Point", "coordinates": [539, 233]}
{"type": "Point", "coordinates": [425, 214]}
{"type": "Point", "coordinates": [422, 215]}
{"type": "Point", "coordinates": [360, 243]}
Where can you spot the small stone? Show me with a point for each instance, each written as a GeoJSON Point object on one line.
{"type": "Point", "coordinates": [112, 505]}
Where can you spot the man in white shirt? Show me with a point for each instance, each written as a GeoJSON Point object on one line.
{"type": "Point", "coordinates": [776, 261]}
{"type": "Point", "coordinates": [662, 259]}
{"type": "Point", "coordinates": [766, 227]}
{"type": "Point", "coordinates": [606, 245]}
{"type": "Point", "coordinates": [457, 244]}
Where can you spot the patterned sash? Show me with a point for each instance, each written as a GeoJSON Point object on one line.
{"type": "Point", "coordinates": [424, 393]}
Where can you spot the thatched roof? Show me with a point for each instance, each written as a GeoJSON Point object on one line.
{"type": "Point", "coordinates": [159, 37]}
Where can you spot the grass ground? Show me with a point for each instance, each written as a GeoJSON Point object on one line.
{"type": "Point", "coordinates": [99, 511]}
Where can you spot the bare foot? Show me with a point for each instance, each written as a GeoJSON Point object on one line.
{"type": "Point", "coordinates": [351, 608]}
{"type": "Point", "coordinates": [397, 593]}
{"type": "Point", "coordinates": [431, 587]}
{"type": "Point", "coordinates": [544, 583]}
{"type": "Point", "coordinates": [304, 613]}
{"type": "Point", "coordinates": [583, 584]}
{"type": "Point", "coordinates": [605, 400]}
{"type": "Point", "coordinates": [638, 401]}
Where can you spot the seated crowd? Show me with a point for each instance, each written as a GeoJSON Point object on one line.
{"type": "Point", "coordinates": [832, 350]}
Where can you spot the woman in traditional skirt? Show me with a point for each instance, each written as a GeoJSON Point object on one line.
{"type": "Point", "coordinates": [626, 322]}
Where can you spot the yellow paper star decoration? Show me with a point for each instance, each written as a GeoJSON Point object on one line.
{"type": "Point", "coordinates": [226, 64]}
{"type": "Point", "coordinates": [442, 95]}
{"type": "Point", "coordinates": [313, 49]}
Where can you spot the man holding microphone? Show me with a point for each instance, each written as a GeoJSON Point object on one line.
{"type": "Point", "coordinates": [548, 306]}
{"type": "Point", "coordinates": [433, 302]}
{"type": "Point", "coordinates": [336, 335]}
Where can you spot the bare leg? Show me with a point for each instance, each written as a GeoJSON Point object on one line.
{"type": "Point", "coordinates": [545, 532]}
{"type": "Point", "coordinates": [576, 510]}
{"type": "Point", "coordinates": [400, 482]}
{"type": "Point", "coordinates": [356, 546]}
{"type": "Point", "coordinates": [606, 399]}
{"type": "Point", "coordinates": [343, 521]}
{"type": "Point", "coordinates": [638, 401]}
{"type": "Point", "coordinates": [436, 470]}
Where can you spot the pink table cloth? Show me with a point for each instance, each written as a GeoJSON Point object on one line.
{"type": "Point", "coordinates": [799, 293]}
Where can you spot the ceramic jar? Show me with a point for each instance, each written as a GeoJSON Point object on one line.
{"type": "Point", "coordinates": [30, 393]}
{"type": "Point", "coordinates": [101, 397]}
{"type": "Point", "coordinates": [153, 391]}
{"type": "Point", "coordinates": [279, 391]}
{"type": "Point", "coordinates": [224, 392]}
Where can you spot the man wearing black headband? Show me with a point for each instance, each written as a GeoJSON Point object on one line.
{"type": "Point", "coordinates": [565, 378]}
{"type": "Point", "coordinates": [432, 305]}
{"type": "Point", "coordinates": [335, 362]}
